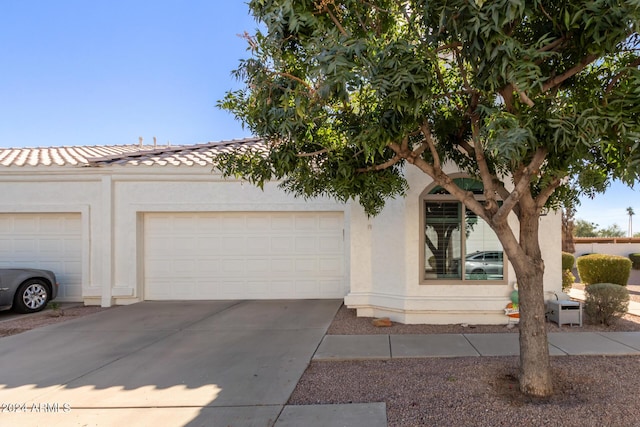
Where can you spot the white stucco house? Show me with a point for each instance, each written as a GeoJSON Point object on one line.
{"type": "Point", "coordinates": [124, 224]}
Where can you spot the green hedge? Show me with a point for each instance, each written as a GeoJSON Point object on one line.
{"type": "Point", "coordinates": [598, 268]}
{"type": "Point", "coordinates": [635, 260]}
{"type": "Point", "coordinates": [567, 261]}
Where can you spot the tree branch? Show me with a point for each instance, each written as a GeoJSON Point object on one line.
{"type": "Point", "coordinates": [553, 44]}
{"type": "Point", "coordinates": [569, 73]}
{"type": "Point", "coordinates": [430, 143]}
{"type": "Point", "coordinates": [315, 153]}
{"type": "Point", "coordinates": [523, 96]}
{"type": "Point", "coordinates": [297, 79]}
{"type": "Point", "coordinates": [621, 74]}
{"type": "Point", "coordinates": [507, 96]}
{"type": "Point", "coordinates": [381, 166]}
{"type": "Point", "coordinates": [463, 73]}
{"type": "Point", "coordinates": [522, 179]}
{"type": "Point", "coordinates": [452, 45]}
{"type": "Point", "coordinates": [399, 156]}
{"type": "Point", "coordinates": [335, 21]}
{"type": "Point", "coordinates": [546, 192]}
{"type": "Point", "coordinates": [483, 167]}
{"type": "Point", "coordinates": [445, 181]}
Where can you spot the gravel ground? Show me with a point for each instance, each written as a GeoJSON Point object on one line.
{"type": "Point", "coordinates": [480, 391]}
{"type": "Point", "coordinates": [477, 391]}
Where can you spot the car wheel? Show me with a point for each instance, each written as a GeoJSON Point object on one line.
{"type": "Point", "coordinates": [477, 271]}
{"type": "Point", "coordinates": [32, 296]}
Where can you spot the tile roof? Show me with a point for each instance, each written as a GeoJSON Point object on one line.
{"type": "Point", "coordinates": [124, 155]}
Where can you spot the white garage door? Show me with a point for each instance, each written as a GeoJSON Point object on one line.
{"type": "Point", "coordinates": [244, 255]}
{"type": "Point", "coordinates": [50, 241]}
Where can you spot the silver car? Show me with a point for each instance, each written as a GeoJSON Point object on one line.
{"type": "Point", "coordinates": [26, 290]}
{"type": "Point", "coordinates": [484, 262]}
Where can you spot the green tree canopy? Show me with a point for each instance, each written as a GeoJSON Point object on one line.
{"type": "Point", "coordinates": [611, 231]}
{"type": "Point", "coordinates": [537, 99]}
{"type": "Point", "coordinates": [583, 228]}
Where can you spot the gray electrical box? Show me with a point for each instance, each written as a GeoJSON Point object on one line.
{"type": "Point", "coordinates": [565, 312]}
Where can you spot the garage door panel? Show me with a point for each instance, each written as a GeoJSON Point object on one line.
{"type": "Point", "coordinates": [182, 244]}
{"type": "Point", "coordinates": [230, 223]}
{"type": "Point", "coordinates": [23, 247]}
{"type": "Point", "coordinates": [330, 223]}
{"type": "Point", "coordinates": [307, 288]}
{"type": "Point", "coordinates": [283, 245]}
{"type": "Point", "coordinates": [306, 223]}
{"type": "Point", "coordinates": [50, 241]}
{"type": "Point", "coordinates": [330, 244]}
{"type": "Point", "coordinates": [330, 287]}
{"type": "Point", "coordinates": [258, 267]}
{"type": "Point", "coordinates": [208, 267]}
{"type": "Point", "coordinates": [285, 267]}
{"type": "Point", "coordinates": [233, 267]}
{"type": "Point", "coordinates": [308, 266]}
{"type": "Point", "coordinates": [258, 246]}
{"type": "Point", "coordinates": [244, 255]}
{"type": "Point", "coordinates": [234, 245]}
{"type": "Point", "coordinates": [330, 265]}
{"type": "Point", "coordinates": [257, 224]}
{"type": "Point", "coordinates": [306, 245]}
{"type": "Point", "coordinates": [52, 246]}
{"type": "Point", "coordinates": [282, 222]}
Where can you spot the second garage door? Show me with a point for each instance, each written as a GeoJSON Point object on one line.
{"type": "Point", "coordinates": [244, 255]}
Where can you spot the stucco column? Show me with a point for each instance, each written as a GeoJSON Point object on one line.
{"type": "Point", "coordinates": [106, 216]}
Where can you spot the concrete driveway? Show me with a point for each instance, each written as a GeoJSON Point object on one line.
{"type": "Point", "coordinates": [214, 363]}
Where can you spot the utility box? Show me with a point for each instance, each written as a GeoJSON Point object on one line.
{"type": "Point", "coordinates": [564, 312]}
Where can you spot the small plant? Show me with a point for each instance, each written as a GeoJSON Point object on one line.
{"type": "Point", "coordinates": [606, 302]}
{"type": "Point", "coordinates": [567, 276]}
{"type": "Point", "coordinates": [567, 280]}
{"type": "Point", "coordinates": [598, 268]}
{"type": "Point", "coordinates": [55, 308]}
{"type": "Point", "coordinates": [635, 261]}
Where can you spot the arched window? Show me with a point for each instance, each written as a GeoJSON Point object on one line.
{"type": "Point", "coordinates": [458, 245]}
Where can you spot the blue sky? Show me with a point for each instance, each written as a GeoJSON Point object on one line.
{"type": "Point", "coordinates": [77, 72]}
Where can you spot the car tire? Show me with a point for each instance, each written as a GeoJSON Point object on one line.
{"type": "Point", "coordinates": [477, 271]}
{"type": "Point", "coordinates": [32, 296]}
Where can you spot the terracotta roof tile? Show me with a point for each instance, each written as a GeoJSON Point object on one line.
{"type": "Point", "coordinates": [124, 155]}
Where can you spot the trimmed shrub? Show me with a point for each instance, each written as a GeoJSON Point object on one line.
{"type": "Point", "coordinates": [635, 261]}
{"type": "Point", "coordinates": [606, 302]}
{"type": "Point", "coordinates": [567, 261]}
{"type": "Point", "coordinates": [597, 268]}
{"type": "Point", "coordinates": [567, 280]}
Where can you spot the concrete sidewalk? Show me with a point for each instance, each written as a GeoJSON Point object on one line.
{"type": "Point", "coordinates": [383, 347]}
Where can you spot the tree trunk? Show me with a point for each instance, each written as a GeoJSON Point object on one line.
{"type": "Point", "coordinates": [568, 244]}
{"type": "Point", "coordinates": [535, 366]}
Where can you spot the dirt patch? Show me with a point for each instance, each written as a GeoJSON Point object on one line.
{"type": "Point", "coordinates": [18, 324]}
